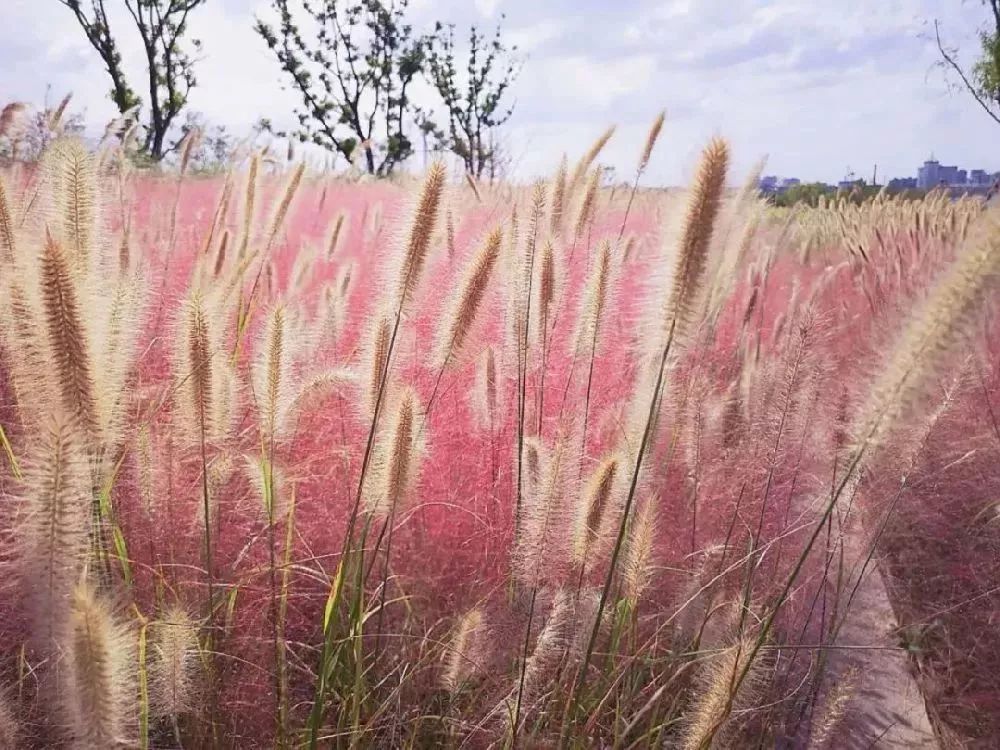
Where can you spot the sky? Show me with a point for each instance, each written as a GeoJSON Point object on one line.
{"type": "Point", "coordinates": [819, 88]}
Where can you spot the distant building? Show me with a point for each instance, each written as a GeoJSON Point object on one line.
{"type": "Point", "coordinates": [902, 183]}
{"type": "Point", "coordinates": [789, 182]}
{"type": "Point", "coordinates": [979, 177]}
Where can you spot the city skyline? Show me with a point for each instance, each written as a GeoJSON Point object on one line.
{"type": "Point", "coordinates": [931, 173]}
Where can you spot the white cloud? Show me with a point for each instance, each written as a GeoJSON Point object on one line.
{"type": "Point", "coordinates": [487, 7]}
{"type": "Point", "coordinates": [818, 86]}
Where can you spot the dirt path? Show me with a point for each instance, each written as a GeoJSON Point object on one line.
{"type": "Point", "coordinates": [887, 710]}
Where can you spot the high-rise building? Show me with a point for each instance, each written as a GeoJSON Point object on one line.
{"type": "Point", "coordinates": [927, 175]}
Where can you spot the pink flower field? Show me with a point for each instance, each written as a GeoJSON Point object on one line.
{"type": "Point", "coordinates": [294, 459]}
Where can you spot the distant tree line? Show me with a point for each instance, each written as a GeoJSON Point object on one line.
{"type": "Point", "coordinates": [809, 193]}
{"type": "Point", "coordinates": [353, 64]}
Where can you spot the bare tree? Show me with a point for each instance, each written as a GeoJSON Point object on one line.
{"type": "Point", "coordinates": [473, 98]}
{"type": "Point", "coordinates": [352, 65]}
{"type": "Point", "coordinates": [162, 25]}
{"type": "Point", "coordinates": [982, 81]}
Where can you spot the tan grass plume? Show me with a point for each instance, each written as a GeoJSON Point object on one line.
{"type": "Point", "coordinates": [100, 692]}
{"type": "Point", "coordinates": [69, 349]}
{"type": "Point", "coordinates": [591, 511]}
{"type": "Point", "coordinates": [173, 674]}
{"type": "Point", "coordinates": [583, 166]}
{"type": "Point", "coordinates": [710, 720]}
{"type": "Point", "coordinates": [421, 231]}
{"type": "Point", "coordinates": [558, 197]}
{"type": "Point", "coordinates": [463, 655]}
{"type": "Point", "coordinates": [461, 316]}
{"type": "Point", "coordinates": [692, 254]}
{"type": "Point", "coordinates": [397, 464]}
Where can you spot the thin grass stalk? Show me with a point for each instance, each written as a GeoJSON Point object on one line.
{"type": "Point", "coordinates": [420, 234]}
{"type": "Point", "coordinates": [622, 527]}
{"type": "Point", "coordinates": [647, 152]}
{"type": "Point", "coordinates": [522, 349]}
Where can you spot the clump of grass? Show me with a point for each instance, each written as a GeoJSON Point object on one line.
{"type": "Point", "coordinates": [99, 691]}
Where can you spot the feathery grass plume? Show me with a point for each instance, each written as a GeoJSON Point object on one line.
{"type": "Point", "coordinates": [55, 505]}
{"type": "Point", "coordinates": [651, 138]}
{"type": "Point", "coordinates": [710, 720]}
{"type": "Point", "coordinates": [99, 694]}
{"type": "Point", "coordinates": [200, 353]}
{"type": "Point", "coordinates": [272, 374]}
{"type": "Point", "coordinates": [116, 337]}
{"type": "Point", "coordinates": [551, 644]}
{"type": "Point", "coordinates": [540, 551]}
{"type": "Point", "coordinates": [125, 251]}
{"type": "Point", "coordinates": [11, 117]}
{"type": "Point", "coordinates": [221, 209]}
{"type": "Point", "coordinates": [376, 356]}
{"type": "Point", "coordinates": [69, 349]}
{"type": "Point", "coordinates": [593, 302]}
{"type": "Point", "coordinates": [830, 718]}
{"type": "Point", "coordinates": [587, 205]}
{"type": "Point", "coordinates": [8, 243]}
{"type": "Point", "coordinates": [637, 566]}
{"type": "Point", "coordinates": [249, 199]}
{"type": "Point", "coordinates": [19, 337]}
{"type": "Point", "coordinates": [344, 280]}
{"type": "Point", "coordinates": [317, 386]}
{"type": "Point", "coordinates": [519, 266]}
{"type": "Point", "coordinates": [463, 655]}
{"type": "Point", "coordinates": [421, 231]}
{"type": "Point", "coordinates": [592, 511]}
{"type": "Point", "coordinates": [464, 306]}
{"type": "Point", "coordinates": [173, 676]}
{"type": "Point", "coordinates": [931, 334]}
{"type": "Point", "coordinates": [397, 464]}
{"type": "Point", "coordinates": [536, 461]}
{"type": "Point", "coordinates": [545, 291]}
{"type": "Point", "coordinates": [740, 221]}
{"type": "Point", "coordinates": [691, 256]}
{"type": "Point", "coordinates": [271, 486]}
{"type": "Point", "coordinates": [10, 730]}
{"type": "Point", "coordinates": [220, 254]}
{"type": "Point", "coordinates": [629, 248]}
{"type": "Point", "coordinates": [205, 395]}
{"type": "Point", "coordinates": [291, 188]}
{"type": "Point", "coordinates": [449, 233]}
{"type": "Point", "coordinates": [583, 166]}
{"type": "Point", "coordinates": [485, 393]}
{"type": "Point", "coordinates": [71, 174]}
{"type": "Point", "coordinates": [335, 232]}
{"type": "Point", "coordinates": [558, 197]}
{"type": "Point", "coordinates": [188, 145]}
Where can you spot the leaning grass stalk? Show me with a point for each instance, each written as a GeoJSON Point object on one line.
{"type": "Point", "coordinates": [463, 315]}
{"type": "Point", "coordinates": [647, 152]}
{"type": "Point", "coordinates": [525, 287]}
{"type": "Point", "coordinates": [592, 316]}
{"type": "Point", "coordinates": [291, 188]}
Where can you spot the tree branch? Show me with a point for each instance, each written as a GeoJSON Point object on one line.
{"type": "Point", "coordinates": [950, 60]}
